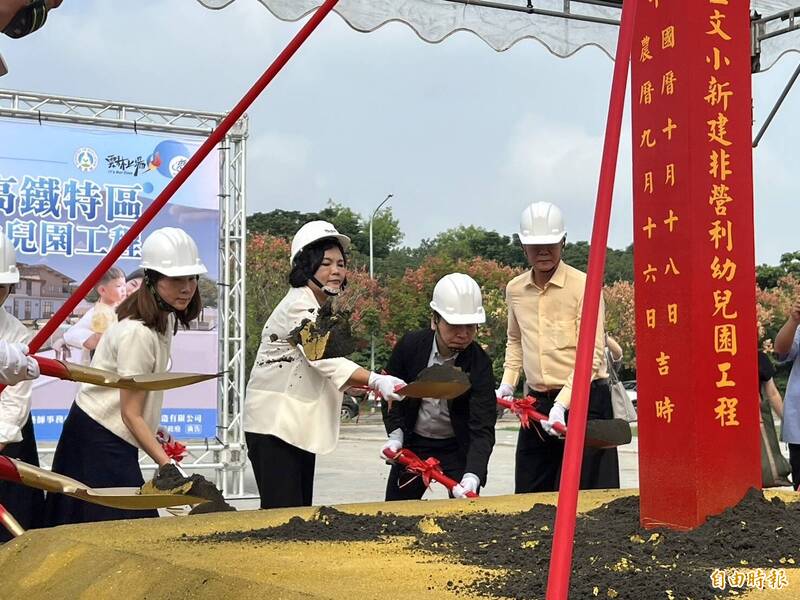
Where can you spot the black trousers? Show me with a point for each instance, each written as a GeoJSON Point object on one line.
{"type": "Point", "coordinates": [284, 473]}
{"type": "Point", "coordinates": [794, 460]}
{"type": "Point", "coordinates": [406, 486]}
{"type": "Point", "coordinates": [25, 504]}
{"type": "Point", "coordinates": [539, 455]}
{"type": "Point", "coordinates": [95, 456]}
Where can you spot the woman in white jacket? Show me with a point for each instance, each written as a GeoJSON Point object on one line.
{"type": "Point", "coordinates": [293, 404]}
{"type": "Point", "coordinates": [16, 427]}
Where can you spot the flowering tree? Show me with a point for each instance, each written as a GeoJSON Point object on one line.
{"type": "Point", "coordinates": [267, 283]}
{"type": "Point", "coordinates": [621, 320]}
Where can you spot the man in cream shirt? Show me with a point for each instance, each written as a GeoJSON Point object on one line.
{"type": "Point", "coordinates": [544, 314]}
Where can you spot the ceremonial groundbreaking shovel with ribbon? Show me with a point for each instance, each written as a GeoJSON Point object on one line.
{"type": "Point", "coordinates": [130, 498]}
{"type": "Point", "coordinates": [428, 469]}
{"type": "Point", "coordinates": [600, 433]}
{"type": "Point", "coordinates": [442, 382]}
{"type": "Point", "coordinates": [148, 382]}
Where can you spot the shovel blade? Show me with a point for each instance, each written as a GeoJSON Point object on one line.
{"type": "Point", "coordinates": [165, 381]}
{"type": "Point", "coordinates": [442, 390]}
{"type": "Point", "coordinates": [131, 498]}
{"type": "Point", "coordinates": [147, 382]}
{"type": "Point", "coordinates": [438, 381]}
{"type": "Point", "coordinates": [125, 497]}
{"type": "Point", "coordinates": [607, 433]}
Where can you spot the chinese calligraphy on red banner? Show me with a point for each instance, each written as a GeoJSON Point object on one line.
{"type": "Point", "coordinates": [694, 259]}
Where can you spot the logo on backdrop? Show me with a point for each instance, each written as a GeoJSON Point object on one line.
{"type": "Point", "coordinates": [168, 158]}
{"type": "Point", "coordinates": [86, 159]}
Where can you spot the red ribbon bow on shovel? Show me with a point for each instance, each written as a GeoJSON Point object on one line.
{"type": "Point", "coordinates": [523, 408]}
{"type": "Point", "coordinates": [175, 450]}
{"type": "Point", "coordinates": [429, 469]}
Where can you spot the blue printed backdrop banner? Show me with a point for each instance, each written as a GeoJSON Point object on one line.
{"type": "Point", "coordinates": [67, 195]}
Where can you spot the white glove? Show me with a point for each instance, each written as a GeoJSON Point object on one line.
{"type": "Point", "coordinates": [385, 386]}
{"type": "Point", "coordinates": [504, 391]}
{"type": "Point", "coordinates": [469, 483]}
{"type": "Point", "coordinates": [163, 435]}
{"type": "Point", "coordinates": [393, 445]}
{"type": "Point", "coordinates": [15, 366]}
{"type": "Point", "coordinates": [556, 416]}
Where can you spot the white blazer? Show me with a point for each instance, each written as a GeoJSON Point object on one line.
{"type": "Point", "coordinates": [288, 396]}
{"type": "Point", "coordinates": [15, 401]}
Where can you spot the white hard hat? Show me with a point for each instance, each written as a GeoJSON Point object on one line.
{"type": "Point", "coordinates": [541, 223]}
{"type": "Point", "coordinates": [457, 298]}
{"type": "Point", "coordinates": [313, 231]}
{"type": "Point", "coordinates": [8, 262]}
{"type": "Point", "coordinates": [171, 252]}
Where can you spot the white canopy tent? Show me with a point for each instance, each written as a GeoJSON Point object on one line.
{"type": "Point", "coordinates": [562, 26]}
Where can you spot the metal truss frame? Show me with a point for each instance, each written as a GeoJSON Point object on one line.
{"type": "Point", "coordinates": [225, 453]}
{"type": "Point", "coordinates": [762, 27]}
{"type": "Point", "coordinates": [571, 9]}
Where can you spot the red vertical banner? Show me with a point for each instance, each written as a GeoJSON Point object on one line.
{"type": "Point", "coordinates": [694, 259]}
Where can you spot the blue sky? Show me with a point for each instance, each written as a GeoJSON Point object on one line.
{"type": "Point", "coordinates": [459, 133]}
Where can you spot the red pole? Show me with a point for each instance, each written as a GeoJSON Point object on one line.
{"type": "Point", "coordinates": [564, 532]}
{"type": "Point", "coordinates": [215, 138]}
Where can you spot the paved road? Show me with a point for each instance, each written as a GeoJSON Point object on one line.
{"type": "Point", "coordinates": [355, 473]}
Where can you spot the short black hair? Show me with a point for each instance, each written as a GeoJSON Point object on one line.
{"type": "Point", "coordinates": [309, 259]}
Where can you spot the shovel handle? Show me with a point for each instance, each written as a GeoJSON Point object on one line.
{"type": "Point", "coordinates": [541, 417]}
{"type": "Point", "coordinates": [52, 367]}
{"type": "Point", "coordinates": [10, 523]}
{"type": "Point", "coordinates": [8, 470]}
{"type": "Point", "coordinates": [533, 414]}
{"type": "Point", "coordinates": [436, 475]}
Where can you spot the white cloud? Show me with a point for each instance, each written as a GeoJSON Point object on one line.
{"type": "Point", "coordinates": [459, 133]}
{"type": "Point", "coordinates": [559, 162]}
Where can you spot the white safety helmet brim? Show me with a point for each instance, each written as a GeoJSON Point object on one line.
{"type": "Point", "coordinates": [178, 271]}
{"type": "Point", "coordinates": [478, 318]}
{"type": "Point", "coordinates": [534, 240]}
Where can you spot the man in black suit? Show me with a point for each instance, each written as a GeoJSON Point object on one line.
{"type": "Point", "coordinates": [460, 432]}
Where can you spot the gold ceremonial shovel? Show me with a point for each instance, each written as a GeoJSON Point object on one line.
{"type": "Point", "coordinates": [130, 498]}
{"type": "Point", "coordinates": [442, 382]}
{"type": "Point", "coordinates": [148, 382]}
{"type": "Point", "coordinates": [438, 381]}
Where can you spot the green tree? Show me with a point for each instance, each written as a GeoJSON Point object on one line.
{"type": "Point", "coordinates": [386, 234]}
{"type": "Point", "coordinates": [768, 276]}
{"type": "Point", "coordinates": [208, 292]}
{"type": "Point", "coordinates": [464, 242]}
{"type": "Point", "coordinates": [619, 263]}
{"type": "Point", "coordinates": [280, 223]}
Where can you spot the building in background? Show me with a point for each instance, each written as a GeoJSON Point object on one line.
{"type": "Point", "coordinates": [41, 291]}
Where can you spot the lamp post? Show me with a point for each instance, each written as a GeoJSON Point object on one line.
{"type": "Point", "coordinates": [371, 276]}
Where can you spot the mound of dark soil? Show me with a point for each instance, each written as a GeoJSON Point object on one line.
{"type": "Point", "coordinates": [169, 479]}
{"type": "Point", "coordinates": [613, 556]}
{"type": "Point", "coordinates": [328, 525]}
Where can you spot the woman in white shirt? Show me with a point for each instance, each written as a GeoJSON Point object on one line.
{"type": "Point", "coordinates": [16, 427]}
{"type": "Point", "coordinates": [292, 405]}
{"type": "Point", "coordinates": [106, 427]}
